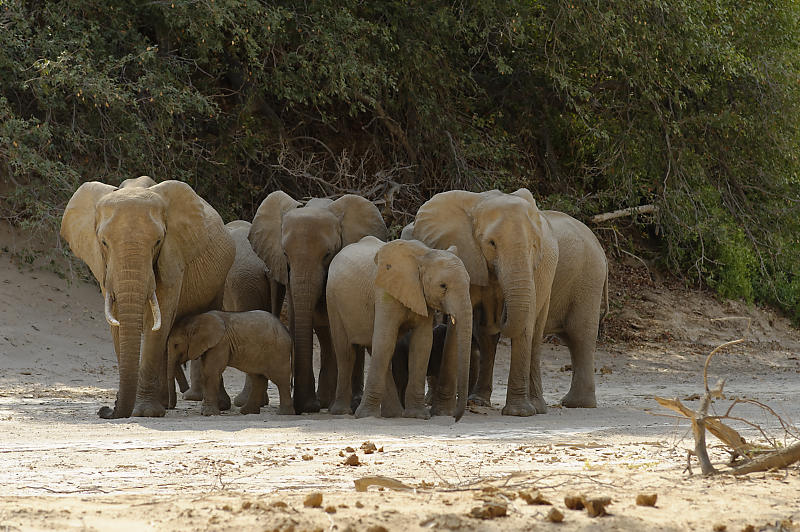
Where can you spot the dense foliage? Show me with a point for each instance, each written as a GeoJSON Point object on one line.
{"type": "Point", "coordinates": [692, 105]}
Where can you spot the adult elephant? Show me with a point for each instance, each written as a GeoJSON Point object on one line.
{"type": "Point", "coordinates": [161, 244]}
{"type": "Point", "coordinates": [575, 292]}
{"type": "Point", "coordinates": [376, 290]}
{"type": "Point", "coordinates": [297, 243]}
{"type": "Point", "coordinates": [511, 254]}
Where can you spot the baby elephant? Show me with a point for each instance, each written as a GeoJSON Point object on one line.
{"type": "Point", "coordinates": [255, 342]}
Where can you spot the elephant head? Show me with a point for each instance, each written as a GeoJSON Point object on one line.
{"type": "Point", "coordinates": [138, 240]}
{"type": "Point", "coordinates": [496, 234]}
{"type": "Point", "coordinates": [297, 244]}
{"type": "Point", "coordinates": [422, 278]}
{"type": "Point", "coordinates": [190, 339]}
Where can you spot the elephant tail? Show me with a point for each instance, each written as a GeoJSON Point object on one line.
{"type": "Point", "coordinates": [606, 309]}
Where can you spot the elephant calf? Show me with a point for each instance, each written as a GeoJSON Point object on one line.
{"type": "Point", "coordinates": [254, 342]}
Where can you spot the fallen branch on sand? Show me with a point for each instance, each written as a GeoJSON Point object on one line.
{"type": "Point", "coordinates": [766, 460]}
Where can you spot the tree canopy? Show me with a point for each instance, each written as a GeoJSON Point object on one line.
{"type": "Point", "coordinates": [691, 105]}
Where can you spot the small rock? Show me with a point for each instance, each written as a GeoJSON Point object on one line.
{"type": "Point", "coordinates": [596, 507]}
{"type": "Point", "coordinates": [368, 447]}
{"type": "Point", "coordinates": [554, 516]}
{"type": "Point", "coordinates": [533, 497]}
{"type": "Point", "coordinates": [246, 505]}
{"type": "Point", "coordinates": [719, 527]}
{"type": "Point", "coordinates": [281, 504]}
{"type": "Point", "coordinates": [307, 457]}
{"type": "Point", "coordinates": [574, 502]}
{"type": "Point", "coordinates": [349, 449]}
{"type": "Point", "coordinates": [352, 460]}
{"type": "Point", "coordinates": [646, 499]}
{"type": "Point", "coordinates": [330, 509]}
{"type": "Point", "coordinates": [359, 504]}
{"type": "Point", "coordinates": [605, 370]}
{"type": "Point", "coordinates": [377, 528]}
{"type": "Point", "coordinates": [227, 508]}
{"type": "Point", "coordinates": [313, 500]}
{"type": "Point", "coordinates": [566, 367]}
{"type": "Point", "coordinates": [749, 528]}
{"type": "Point", "coordinates": [489, 510]}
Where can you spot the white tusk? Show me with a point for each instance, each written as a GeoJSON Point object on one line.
{"type": "Point", "coordinates": [452, 319]}
{"type": "Point", "coordinates": [156, 311]}
{"type": "Point", "coordinates": [109, 315]}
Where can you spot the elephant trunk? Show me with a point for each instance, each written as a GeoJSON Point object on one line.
{"type": "Point", "coordinates": [518, 296]}
{"type": "Point", "coordinates": [305, 291]}
{"type": "Point", "coordinates": [130, 312]}
{"type": "Point", "coordinates": [461, 319]}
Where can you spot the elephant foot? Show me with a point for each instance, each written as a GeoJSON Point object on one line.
{"type": "Point", "coordinates": [193, 394]}
{"type": "Point", "coordinates": [355, 401]}
{"type": "Point", "coordinates": [106, 412]}
{"type": "Point", "coordinates": [250, 410]}
{"type": "Point", "coordinates": [364, 410]}
{"type": "Point", "coordinates": [519, 408]}
{"type": "Point", "coordinates": [149, 409]}
{"type": "Point", "coordinates": [419, 412]}
{"type": "Point", "coordinates": [340, 407]}
{"type": "Point", "coordinates": [579, 400]}
{"type": "Point", "coordinates": [209, 410]}
{"type": "Point", "coordinates": [310, 405]}
{"type": "Point", "coordinates": [241, 399]}
{"type": "Point", "coordinates": [479, 400]}
{"type": "Point", "coordinates": [539, 405]}
{"type": "Point", "coordinates": [391, 410]}
{"type": "Point", "coordinates": [443, 409]}
{"type": "Point", "coordinates": [286, 410]}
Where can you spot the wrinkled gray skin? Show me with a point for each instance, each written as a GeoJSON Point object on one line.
{"type": "Point", "coordinates": [511, 255]}
{"type": "Point", "coordinates": [297, 243]}
{"type": "Point", "coordinates": [158, 244]}
{"type": "Point", "coordinates": [255, 342]}
{"type": "Point", "coordinates": [247, 287]}
{"type": "Point", "coordinates": [575, 293]}
{"type": "Point", "coordinates": [377, 291]}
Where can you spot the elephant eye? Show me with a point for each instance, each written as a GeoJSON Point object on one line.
{"type": "Point", "coordinates": [443, 285]}
{"type": "Point", "coordinates": [105, 244]}
{"type": "Point", "coordinates": [491, 243]}
{"type": "Point", "coordinates": [158, 241]}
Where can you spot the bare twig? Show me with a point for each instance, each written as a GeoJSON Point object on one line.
{"type": "Point", "coordinates": [604, 217]}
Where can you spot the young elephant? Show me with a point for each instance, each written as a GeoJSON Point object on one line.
{"type": "Point", "coordinates": [254, 342]}
{"type": "Point", "coordinates": [376, 290]}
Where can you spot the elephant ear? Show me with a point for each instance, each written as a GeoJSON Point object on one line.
{"type": "Point", "coordinates": [187, 216]}
{"type": "Point", "coordinates": [265, 233]}
{"type": "Point", "coordinates": [78, 226]}
{"type": "Point", "coordinates": [205, 332]}
{"type": "Point", "coordinates": [408, 232]}
{"type": "Point", "coordinates": [535, 218]}
{"type": "Point", "coordinates": [359, 218]}
{"type": "Point", "coordinates": [445, 220]}
{"type": "Point", "coordinates": [399, 273]}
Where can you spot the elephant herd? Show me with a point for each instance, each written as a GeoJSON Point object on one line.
{"type": "Point", "coordinates": [179, 285]}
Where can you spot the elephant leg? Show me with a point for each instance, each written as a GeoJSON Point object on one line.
{"type": "Point", "coordinates": [213, 363]}
{"type": "Point", "coordinates": [326, 387]}
{"type": "Point", "coordinates": [357, 380]}
{"type": "Point", "coordinates": [244, 395]}
{"type": "Point", "coordinates": [384, 340]}
{"type": "Point", "coordinates": [284, 384]}
{"type": "Point", "coordinates": [444, 399]}
{"type": "Point", "coordinates": [419, 350]}
{"type": "Point", "coordinates": [390, 404]}
{"type": "Point", "coordinates": [195, 391]}
{"type": "Point", "coordinates": [535, 389]}
{"type": "Point", "coordinates": [481, 394]}
{"type": "Point", "coordinates": [223, 399]}
{"type": "Point", "coordinates": [152, 396]}
{"type": "Point", "coordinates": [258, 385]}
{"type": "Point", "coordinates": [474, 364]}
{"type": "Point", "coordinates": [517, 401]}
{"type": "Point", "coordinates": [346, 353]}
{"type": "Point", "coordinates": [581, 340]}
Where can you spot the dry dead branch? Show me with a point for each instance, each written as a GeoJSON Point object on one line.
{"type": "Point", "coordinates": [702, 421]}
{"type": "Point", "coordinates": [604, 217]}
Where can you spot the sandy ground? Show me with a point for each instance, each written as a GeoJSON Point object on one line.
{"type": "Point", "coordinates": [63, 468]}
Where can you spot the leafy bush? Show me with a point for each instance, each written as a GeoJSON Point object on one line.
{"type": "Point", "coordinates": [691, 105]}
